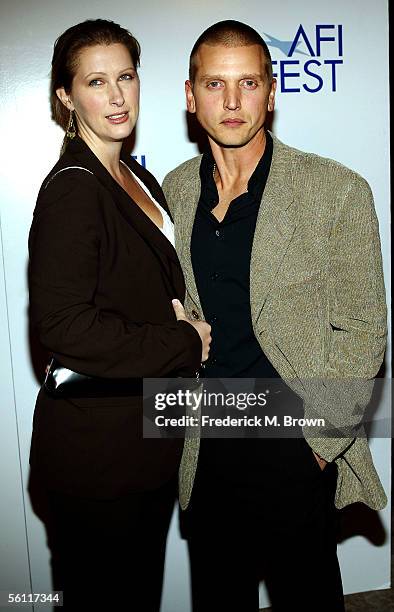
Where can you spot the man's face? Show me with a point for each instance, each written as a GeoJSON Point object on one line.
{"type": "Point", "coordinates": [231, 94]}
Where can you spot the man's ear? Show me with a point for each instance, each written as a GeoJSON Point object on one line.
{"type": "Point", "coordinates": [190, 101]}
{"type": "Point", "coordinates": [271, 97]}
{"type": "Point", "coordinates": [65, 98]}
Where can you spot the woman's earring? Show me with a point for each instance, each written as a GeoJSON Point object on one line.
{"type": "Point", "coordinates": [71, 129]}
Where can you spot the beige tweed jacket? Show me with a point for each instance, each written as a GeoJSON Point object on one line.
{"type": "Point", "coordinates": [317, 302]}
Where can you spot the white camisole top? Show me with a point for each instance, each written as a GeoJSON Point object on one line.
{"type": "Point", "coordinates": [168, 226]}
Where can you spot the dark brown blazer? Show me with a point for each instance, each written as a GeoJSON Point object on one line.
{"type": "Point", "coordinates": [102, 277]}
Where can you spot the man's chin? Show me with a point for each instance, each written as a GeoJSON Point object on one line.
{"type": "Point", "coordinates": [230, 143]}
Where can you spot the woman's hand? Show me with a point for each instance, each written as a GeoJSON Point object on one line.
{"type": "Point", "coordinates": [203, 329]}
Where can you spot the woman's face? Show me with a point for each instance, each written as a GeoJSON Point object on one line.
{"type": "Point", "coordinates": [104, 94]}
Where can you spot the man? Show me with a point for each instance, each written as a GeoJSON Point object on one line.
{"type": "Point", "coordinates": [281, 255]}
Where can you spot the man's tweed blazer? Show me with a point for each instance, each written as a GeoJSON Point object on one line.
{"type": "Point", "coordinates": [317, 302]}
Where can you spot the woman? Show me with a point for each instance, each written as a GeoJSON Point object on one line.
{"type": "Point", "coordinates": [102, 274]}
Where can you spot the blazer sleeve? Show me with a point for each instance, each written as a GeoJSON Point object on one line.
{"type": "Point", "coordinates": [357, 315]}
{"type": "Point", "coordinates": [64, 248]}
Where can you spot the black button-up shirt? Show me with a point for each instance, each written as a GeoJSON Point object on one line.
{"type": "Point", "coordinates": [221, 253]}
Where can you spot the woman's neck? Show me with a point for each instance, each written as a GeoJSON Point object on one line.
{"type": "Point", "coordinates": [107, 152]}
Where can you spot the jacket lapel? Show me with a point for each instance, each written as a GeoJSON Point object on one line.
{"type": "Point", "coordinates": [274, 228]}
{"type": "Point", "coordinates": [189, 195]}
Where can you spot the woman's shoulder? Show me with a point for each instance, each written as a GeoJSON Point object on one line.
{"type": "Point", "coordinates": [68, 180]}
{"type": "Point", "coordinates": [68, 201]}
{"type": "Point", "coordinates": [67, 169]}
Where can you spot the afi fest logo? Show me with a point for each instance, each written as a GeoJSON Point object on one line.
{"type": "Point", "coordinates": [322, 45]}
{"type": "Point", "coordinates": [141, 160]}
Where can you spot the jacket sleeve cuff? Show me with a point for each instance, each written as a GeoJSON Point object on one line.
{"type": "Point", "coordinates": [329, 449]}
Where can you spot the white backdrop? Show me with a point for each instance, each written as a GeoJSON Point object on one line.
{"type": "Point", "coordinates": [341, 112]}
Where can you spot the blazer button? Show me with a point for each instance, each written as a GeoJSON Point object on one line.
{"type": "Point", "coordinates": [195, 315]}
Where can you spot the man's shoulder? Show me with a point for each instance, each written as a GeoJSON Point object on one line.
{"type": "Point", "coordinates": [314, 166]}
{"type": "Point", "coordinates": [184, 172]}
